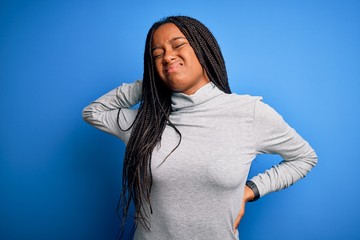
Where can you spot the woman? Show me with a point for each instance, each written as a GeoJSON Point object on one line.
{"type": "Point", "coordinates": [191, 142]}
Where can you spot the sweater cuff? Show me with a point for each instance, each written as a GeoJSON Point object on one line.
{"type": "Point", "coordinates": [254, 188]}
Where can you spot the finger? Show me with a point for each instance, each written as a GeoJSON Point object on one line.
{"type": "Point", "coordinates": [237, 221]}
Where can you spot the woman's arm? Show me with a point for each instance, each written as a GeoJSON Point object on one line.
{"type": "Point", "coordinates": [111, 112]}
{"type": "Point", "coordinates": [275, 136]}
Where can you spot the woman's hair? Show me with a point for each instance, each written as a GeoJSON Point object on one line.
{"type": "Point", "coordinates": [154, 111]}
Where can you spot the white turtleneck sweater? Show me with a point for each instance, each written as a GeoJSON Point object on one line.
{"type": "Point", "coordinates": [197, 192]}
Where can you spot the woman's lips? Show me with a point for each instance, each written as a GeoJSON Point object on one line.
{"type": "Point", "coordinates": [172, 67]}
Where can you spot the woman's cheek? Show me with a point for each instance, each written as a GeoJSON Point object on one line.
{"type": "Point", "coordinates": [159, 71]}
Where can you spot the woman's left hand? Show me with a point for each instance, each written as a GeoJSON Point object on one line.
{"type": "Point", "coordinates": [248, 196]}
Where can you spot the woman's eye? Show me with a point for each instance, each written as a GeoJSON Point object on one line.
{"type": "Point", "coordinates": [156, 55]}
{"type": "Point", "coordinates": [179, 45]}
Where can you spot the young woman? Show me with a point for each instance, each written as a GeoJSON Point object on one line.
{"type": "Point", "coordinates": [190, 144]}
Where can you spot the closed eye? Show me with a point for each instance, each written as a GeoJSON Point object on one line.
{"type": "Point", "coordinates": [157, 54]}
{"type": "Point", "coordinates": [180, 45]}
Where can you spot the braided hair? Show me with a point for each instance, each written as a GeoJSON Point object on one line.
{"type": "Point", "coordinates": [154, 111]}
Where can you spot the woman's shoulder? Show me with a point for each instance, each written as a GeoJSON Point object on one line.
{"type": "Point", "coordinates": [242, 99]}
{"type": "Point", "coordinates": [239, 104]}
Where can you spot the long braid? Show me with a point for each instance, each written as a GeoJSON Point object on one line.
{"type": "Point", "coordinates": [153, 115]}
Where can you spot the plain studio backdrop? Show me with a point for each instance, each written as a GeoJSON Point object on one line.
{"type": "Point", "coordinates": [60, 178]}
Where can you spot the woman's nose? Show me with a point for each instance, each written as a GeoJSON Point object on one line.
{"type": "Point", "coordinates": [169, 56]}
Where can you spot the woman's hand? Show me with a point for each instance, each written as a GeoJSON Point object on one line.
{"type": "Point", "coordinates": [248, 196]}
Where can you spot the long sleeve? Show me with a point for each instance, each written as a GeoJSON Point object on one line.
{"type": "Point", "coordinates": [275, 136]}
{"type": "Point", "coordinates": [111, 112]}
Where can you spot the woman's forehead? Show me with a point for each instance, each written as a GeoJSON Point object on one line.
{"type": "Point", "coordinates": [166, 32]}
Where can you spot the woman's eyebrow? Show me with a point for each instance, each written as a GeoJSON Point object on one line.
{"type": "Point", "coordinates": [171, 41]}
{"type": "Point", "coordinates": [176, 38]}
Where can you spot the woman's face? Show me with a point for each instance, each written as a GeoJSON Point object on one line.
{"type": "Point", "coordinates": [175, 60]}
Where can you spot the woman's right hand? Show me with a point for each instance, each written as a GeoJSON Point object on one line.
{"type": "Point", "coordinates": [248, 196]}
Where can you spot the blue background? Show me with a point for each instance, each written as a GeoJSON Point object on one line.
{"type": "Point", "coordinates": [60, 178]}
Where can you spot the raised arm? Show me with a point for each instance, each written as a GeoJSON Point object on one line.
{"type": "Point", "coordinates": [275, 136]}
{"type": "Point", "coordinates": [111, 112]}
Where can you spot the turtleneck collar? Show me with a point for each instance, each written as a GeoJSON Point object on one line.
{"type": "Point", "coordinates": [181, 101]}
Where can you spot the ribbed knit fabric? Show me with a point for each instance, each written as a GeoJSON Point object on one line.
{"type": "Point", "coordinates": [197, 191]}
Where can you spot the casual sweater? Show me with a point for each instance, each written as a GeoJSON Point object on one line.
{"type": "Point", "coordinates": [198, 190]}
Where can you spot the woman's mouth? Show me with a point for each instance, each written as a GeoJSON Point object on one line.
{"type": "Point", "coordinates": [172, 67]}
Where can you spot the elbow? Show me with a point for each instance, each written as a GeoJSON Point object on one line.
{"type": "Point", "coordinates": [87, 114]}
{"type": "Point", "coordinates": [313, 159]}
{"type": "Point", "coordinates": [310, 162]}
